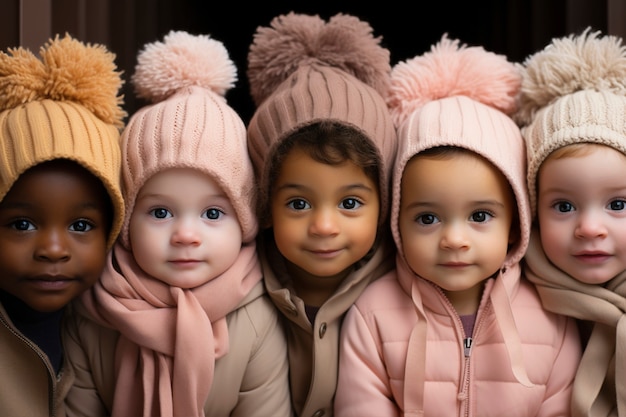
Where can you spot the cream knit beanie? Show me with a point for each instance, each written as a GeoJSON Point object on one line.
{"type": "Point", "coordinates": [573, 91]}
{"type": "Point", "coordinates": [460, 96]}
{"type": "Point", "coordinates": [303, 70]}
{"type": "Point", "coordinates": [62, 106]}
{"type": "Point", "coordinates": [189, 124]}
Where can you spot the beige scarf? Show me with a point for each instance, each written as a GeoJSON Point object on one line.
{"type": "Point", "coordinates": [600, 384]}
{"type": "Point", "coordinates": [170, 337]}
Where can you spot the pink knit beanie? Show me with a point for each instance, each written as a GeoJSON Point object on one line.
{"type": "Point", "coordinates": [303, 70]}
{"type": "Point", "coordinates": [573, 91]}
{"type": "Point", "coordinates": [460, 96]}
{"type": "Point", "coordinates": [189, 124]}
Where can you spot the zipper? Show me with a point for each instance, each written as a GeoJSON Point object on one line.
{"type": "Point", "coordinates": [467, 345]}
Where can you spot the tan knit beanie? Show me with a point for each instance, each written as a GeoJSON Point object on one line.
{"type": "Point", "coordinates": [62, 106]}
{"type": "Point", "coordinates": [573, 91]}
{"type": "Point", "coordinates": [302, 70]}
{"type": "Point", "coordinates": [460, 96]}
{"type": "Point", "coordinates": [189, 124]}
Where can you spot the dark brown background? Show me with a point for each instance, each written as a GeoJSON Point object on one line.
{"type": "Point", "coordinates": [515, 28]}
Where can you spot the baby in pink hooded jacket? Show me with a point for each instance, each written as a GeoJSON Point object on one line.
{"type": "Point", "coordinates": [456, 330]}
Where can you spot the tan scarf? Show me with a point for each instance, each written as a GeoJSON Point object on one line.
{"type": "Point", "coordinates": [600, 383]}
{"type": "Point", "coordinates": [170, 337]}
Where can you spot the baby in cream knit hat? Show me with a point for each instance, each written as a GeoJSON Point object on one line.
{"type": "Point", "coordinates": [573, 117]}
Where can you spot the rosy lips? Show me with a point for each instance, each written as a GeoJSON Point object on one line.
{"type": "Point", "coordinates": [592, 258]}
{"type": "Point", "coordinates": [454, 264]}
{"type": "Point", "coordinates": [325, 253]}
{"type": "Point", "coordinates": [55, 284]}
{"type": "Point", "coordinates": [184, 263]}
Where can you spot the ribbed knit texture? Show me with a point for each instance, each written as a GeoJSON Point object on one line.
{"type": "Point", "coordinates": [326, 70]}
{"type": "Point", "coordinates": [469, 124]}
{"type": "Point", "coordinates": [586, 116]}
{"type": "Point", "coordinates": [194, 128]}
{"type": "Point", "coordinates": [63, 104]}
{"type": "Point", "coordinates": [314, 93]}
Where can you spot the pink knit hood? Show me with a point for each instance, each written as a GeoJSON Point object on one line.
{"type": "Point", "coordinates": [460, 96]}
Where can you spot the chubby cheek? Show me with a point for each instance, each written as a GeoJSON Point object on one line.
{"type": "Point", "coordinates": [416, 255]}
{"type": "Point", "coordinates": [366, 234]}
{"type": "Point", "coordinates": [285, 237]}
{"type": "Point", "coordinates": [145, 244]}
{"type": "Point", "coordinates": [412, 247]}
{"type": "Point", "coordinates": [96, 267]}
{"type": "Point", "coordinates": [553, 241]}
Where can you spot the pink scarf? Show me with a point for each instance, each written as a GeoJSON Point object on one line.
{"type": "Point", "coordinates": [170, 337]}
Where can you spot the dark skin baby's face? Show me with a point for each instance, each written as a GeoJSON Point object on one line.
{"type": "Point", "coordinates": [54, 225]}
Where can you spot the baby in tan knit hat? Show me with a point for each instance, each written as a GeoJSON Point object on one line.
{"type": "Point", "coordinates": [187, 328]}
{"type": "Point", "coordinates": [61, 208]}
{"type": "Point", "coordinates": [573, 117]}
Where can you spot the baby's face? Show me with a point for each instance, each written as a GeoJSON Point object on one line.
{"type": "Point", "coordinates": [455, 223]}
{"type": "Point", "coordinates": [54, 224]}
{"type": "Point", "coordinates": [183, 229]}
{"type": "Point", "coordinates": [581, 209]}
{"type": "Point", "coordinates": [325, 217]}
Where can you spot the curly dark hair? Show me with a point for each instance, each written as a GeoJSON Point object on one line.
{"type": "Point", "coordinates": [329, 142]}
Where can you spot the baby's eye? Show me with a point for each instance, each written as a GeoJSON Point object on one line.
{"type": "Point", "coordinates": [298, 204]}
{"type": "Point", "coordinates": [617, 205]}
{"type": "Point", "coordinates": [81, 226]}
{"type": "Point", "coordinates": [563, 206]}
{"type": "Point", "coordinates": [427, 219]}
{"type": "Point", "coordinates": [213, 214]}
{"type": "Point", "coordinates": [480, 216]}
{"type": "Point", "coordinates": [160, 213]}
{"type": "Point", "coordinates": [350, 204]}
{"type": "Point", "coordinates": [23, 225]}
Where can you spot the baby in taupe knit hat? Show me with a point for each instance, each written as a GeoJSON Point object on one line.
{"type": "Point", "coordinates": [573, 117]}
{"type": "Point", "coordinates": [322, 142]}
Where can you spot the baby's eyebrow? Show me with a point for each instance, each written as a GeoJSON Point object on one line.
{"type": "Point", "coordinates": [347, 187]}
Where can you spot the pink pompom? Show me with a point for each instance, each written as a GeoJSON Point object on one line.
{"type": "Point", "coordinates": [183, 60]}
{"type": "Point", "coordinates": [451, 69]}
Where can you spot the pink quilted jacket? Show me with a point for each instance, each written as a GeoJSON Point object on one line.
{"type": "Point", "coordinates": [404, 352]}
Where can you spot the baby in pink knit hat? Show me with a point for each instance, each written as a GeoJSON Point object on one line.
{"type": "Point", "coordinates": [186, 326]}
{"type": "Point", "coordinates": [455, 330]}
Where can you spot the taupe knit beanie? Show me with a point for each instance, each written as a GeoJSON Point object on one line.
{"type": "Point", "coordinates": [302, 70]}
